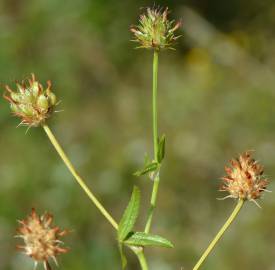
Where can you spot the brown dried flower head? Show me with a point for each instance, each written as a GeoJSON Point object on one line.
{"type": "Point", "coordinates": [244, 179]}
{"type": "Point", "coordinates": [31, 102]}
{"type": "Point", "coordinates": [155, 30]}
{"type": "Point", "coordinates": [41, 239]}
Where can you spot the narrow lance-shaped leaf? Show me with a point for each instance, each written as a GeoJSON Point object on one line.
{"type": "Point", "coordinates": [148, 168]}
{"type": "Point", "coordinates": [161, 149]}
{"type": "Point", "coordinates": [130, 215]}
{"type": "Point", "coordinates": [144, 239]}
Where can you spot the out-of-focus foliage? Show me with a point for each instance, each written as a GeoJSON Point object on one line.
{"type": "Point", "coordinates": [216, 99]}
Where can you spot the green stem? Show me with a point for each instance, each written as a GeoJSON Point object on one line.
{"type": "Point", "coordinates": [155, 139]}
{"type": "Point", "coordinates": [80, 181]}
{"type": "Point", "coordinates": [219, 234]}
{"type": "Point", "coordinates": [154, 103]}
{"type": "Point", "coordinates": [78, 178]}
{"type": "Point", "coordinates": [142, 259]}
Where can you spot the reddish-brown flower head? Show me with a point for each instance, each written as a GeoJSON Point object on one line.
{"type": "Point", "coordinates": [244, 179]}
{"type": "Point", "coordinates": [41, 239]}
{"type": "Point", "coordinates": [31, 102]}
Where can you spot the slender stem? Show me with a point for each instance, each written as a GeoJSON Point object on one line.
{"type": "Point", "coordinates": [80, 181]}
{"type": "Point", "coordinates": [99, 206]}
{"type": "Point", "coordinates": [152, 205]}
{"type": "Point", "coordinates": [155, 139]}
{"type": "Point", "coordinates": [78, 178]}
{"type": "Point", "coordinates": [154, 103]}
{"type": "Point", "coordinates": [219, 234]}
{"type": "Point", "coordinates": [142, 259]}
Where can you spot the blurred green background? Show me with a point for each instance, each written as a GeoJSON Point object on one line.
{"type": "Point", "coordinates": [216, 100]}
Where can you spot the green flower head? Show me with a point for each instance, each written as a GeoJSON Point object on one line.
{"type": "Point", "coordinates": [155, 30]}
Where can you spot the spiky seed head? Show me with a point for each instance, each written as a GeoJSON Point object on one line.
{"type": "Point", "coordinates": [154, 30]}
{"type": "Point", "coordinates": [31, 102]}
{"type": "Point", "coordinates": [41, 239]}
{"type": "Point", "coordinates": [244, 179]}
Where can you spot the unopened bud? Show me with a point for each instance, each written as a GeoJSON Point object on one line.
{"type": "Point", "coordinates": [42, 103]}
{"type": "Point", "coordinates": [52, 98]}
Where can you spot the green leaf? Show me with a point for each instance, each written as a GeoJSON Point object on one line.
{"type": "Point", "coordinates": [130, 215]}
{"type": "Point", "coordinates": [122, 256]}
{"type": "Point", "coordinates": [161, 148]}
{"type": "Point", "coordinates": [148, 168]}
{"type": "Point", "coordinates": [143, 239]}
